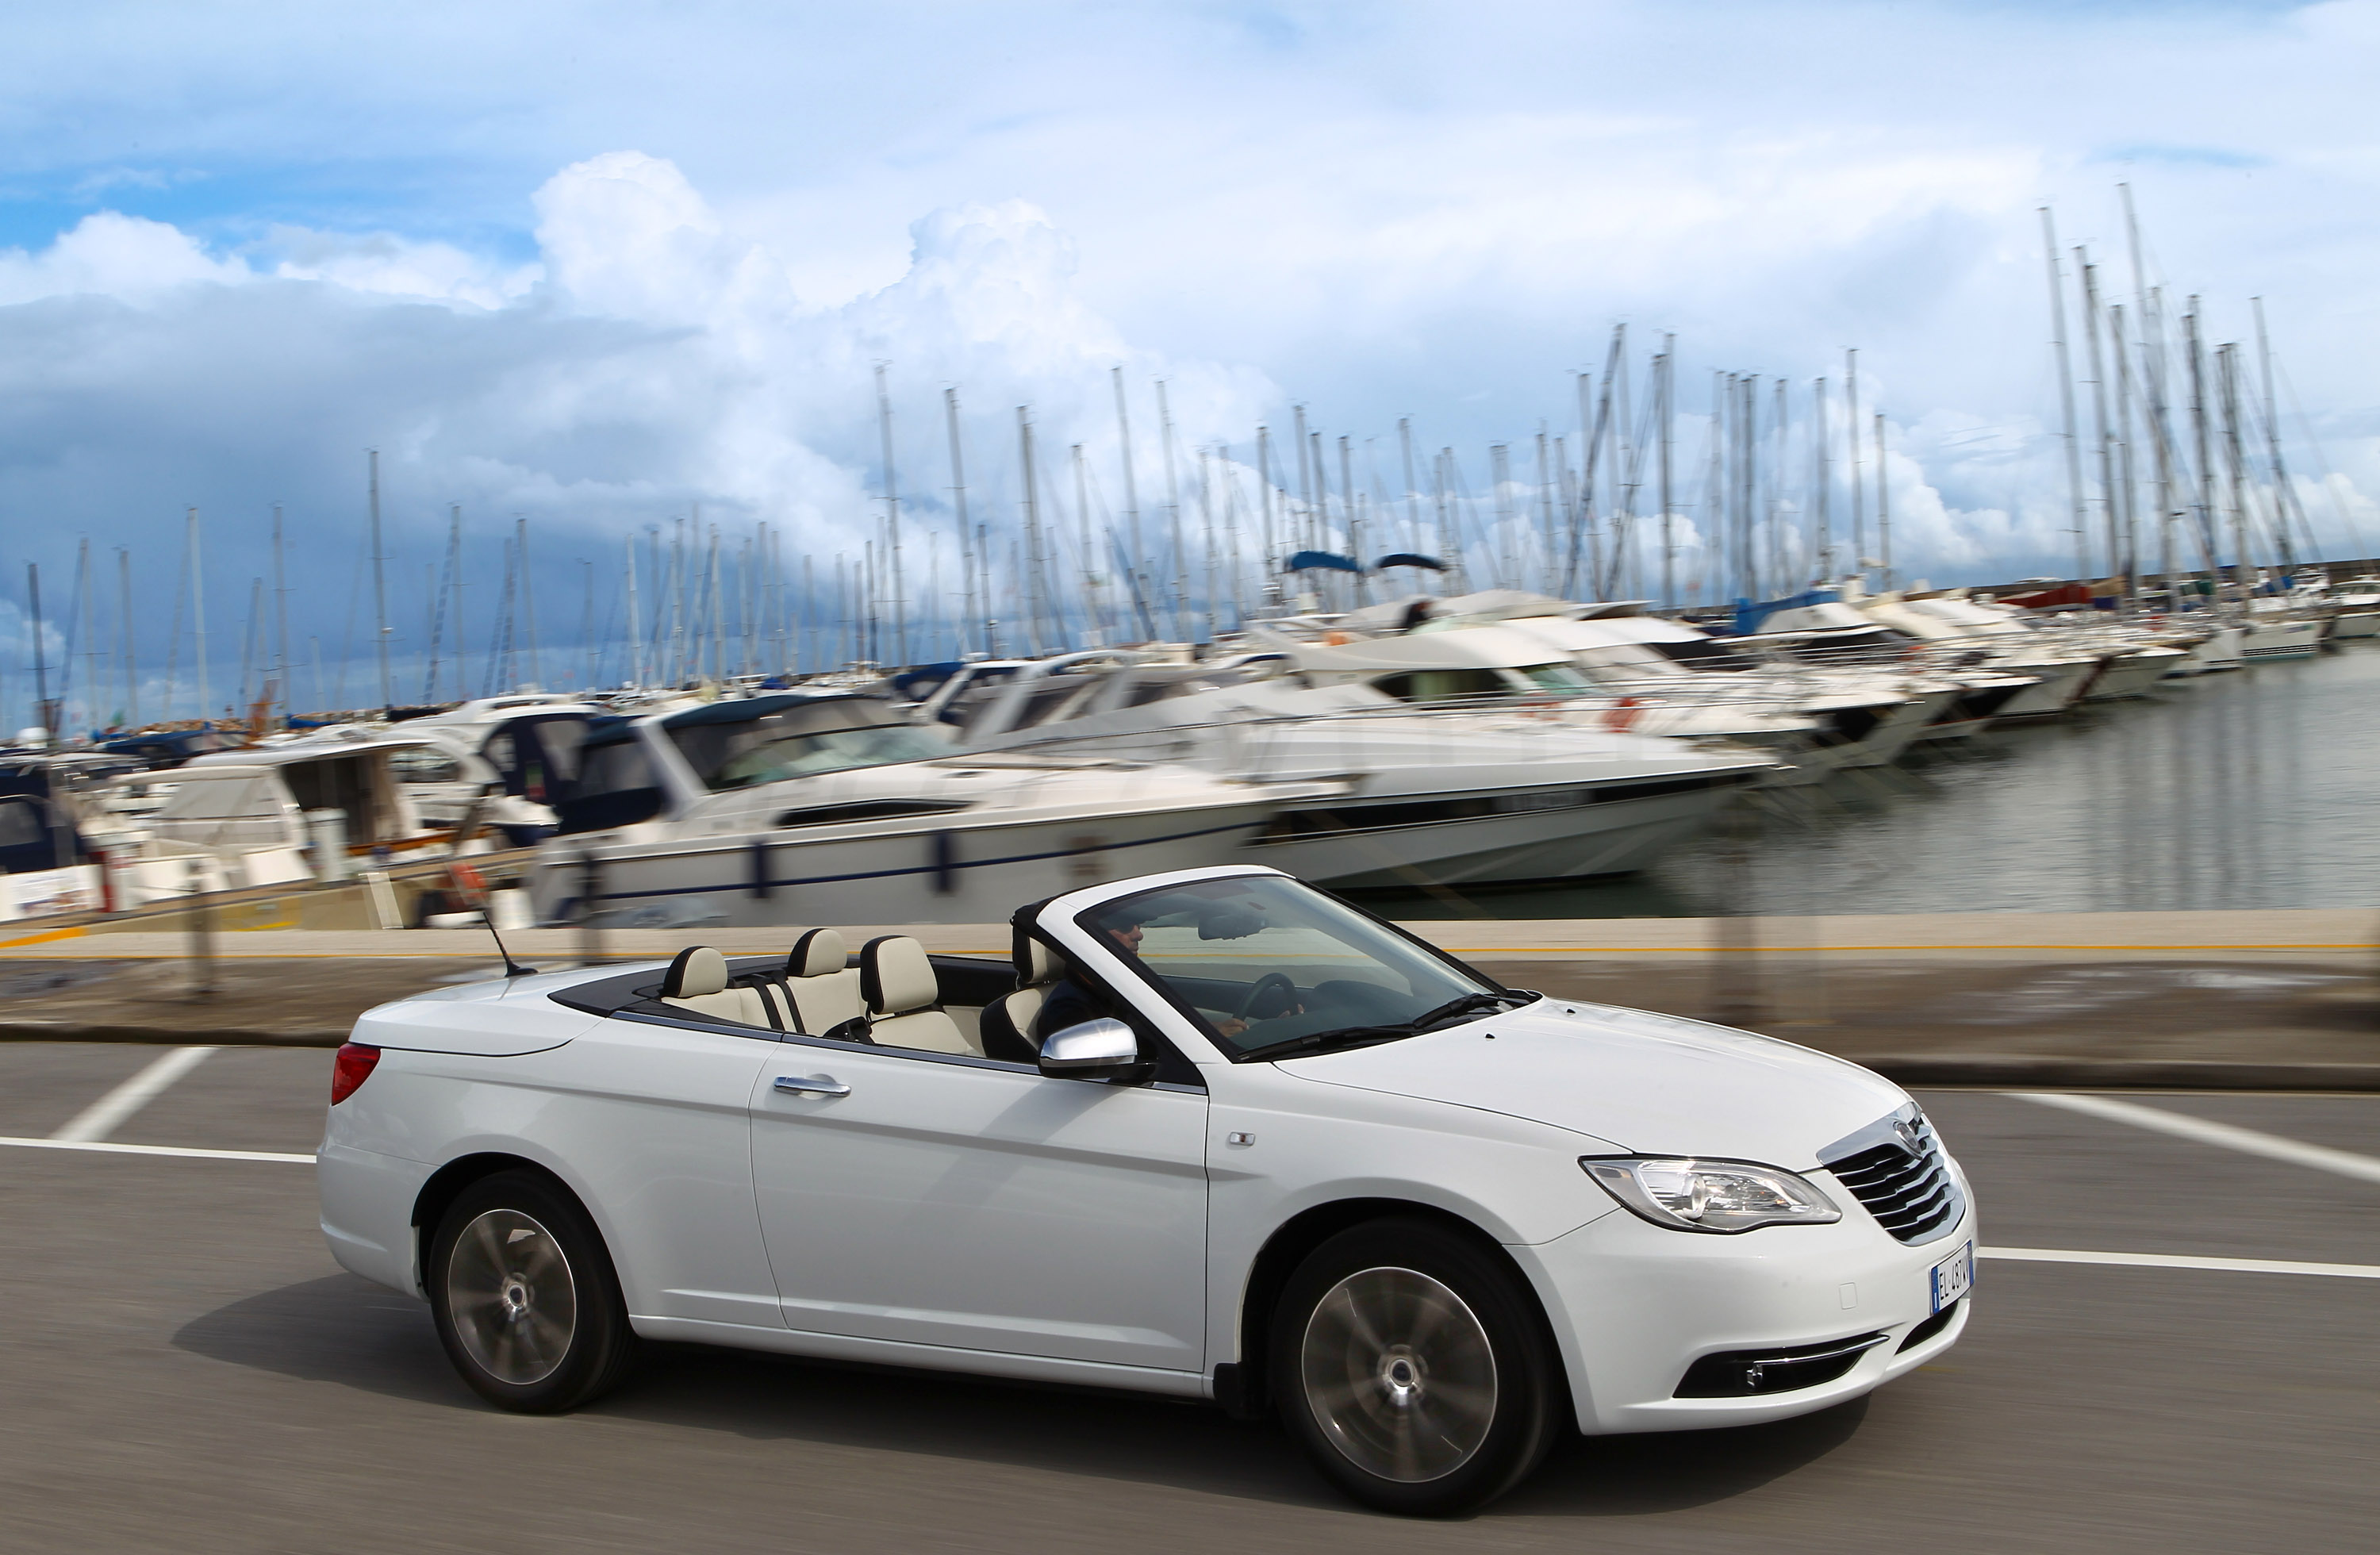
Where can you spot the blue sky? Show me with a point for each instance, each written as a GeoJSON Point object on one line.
{"type": "Point", "coordinates": [597, 263]}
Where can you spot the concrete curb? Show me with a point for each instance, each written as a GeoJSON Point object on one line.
{"type": "Point", "coordinates": [1988, 1071]}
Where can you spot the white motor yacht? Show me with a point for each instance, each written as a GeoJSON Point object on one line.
{"type": "Point", "coordinates": [501, 753]}
{"type": "Point", "coordinates": [1429, 797]}
{"type": "Point", "coordinates": [806, 807]}
{"type": "Point", "coordinates": [2062, 676]}
{"type": "Point", "coordinates": [303, 809]}
{"type": "Point", "coordinates": [2130, 662]}
{"type": "Point", "coordinates": [1862, 718]}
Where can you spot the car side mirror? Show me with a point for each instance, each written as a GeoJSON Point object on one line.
{"type": "Point", "coordinates": [1094, 1050]}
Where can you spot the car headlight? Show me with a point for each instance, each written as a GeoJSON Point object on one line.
{"type": "Point", "coordinates": [1725, 1197]}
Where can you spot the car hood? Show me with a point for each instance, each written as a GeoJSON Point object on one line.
{"type": "Point", "coordinates": [1648, 1084]}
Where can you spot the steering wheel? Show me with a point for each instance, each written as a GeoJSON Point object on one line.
{"type": "Point", "coordinates": [1256, 994]}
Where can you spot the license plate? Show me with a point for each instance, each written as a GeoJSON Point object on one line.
{"type": "Point", "coordinates": [1953, 1275]}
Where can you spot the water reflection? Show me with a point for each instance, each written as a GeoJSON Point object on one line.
{"type": "Point", "coordinates": [2245, 791]}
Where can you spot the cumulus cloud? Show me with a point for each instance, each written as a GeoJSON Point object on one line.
{"type": "Point", "coordinates": [110, 255]}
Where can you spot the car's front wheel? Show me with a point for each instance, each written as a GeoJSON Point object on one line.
{"type": "Point", "coordinates": [524, 1296]}
{"type": "Point", "coordinates": [1414, 1367]}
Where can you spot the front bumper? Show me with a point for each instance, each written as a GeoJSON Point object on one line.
{"type": "Point", "coordinates": [1633, 1305]}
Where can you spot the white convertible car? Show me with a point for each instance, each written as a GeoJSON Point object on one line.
{"type": "Point", "coordinates": [1214, 1134]}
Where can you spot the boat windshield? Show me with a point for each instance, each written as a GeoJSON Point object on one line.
{"type": "Point", "coordinates": [803, 741]}
{"type": "Point", "coordinates": [1560, 679]}
{"type": "Point", "coordinates": [1272, 968]}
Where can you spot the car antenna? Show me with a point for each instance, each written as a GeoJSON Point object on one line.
{"type": "Point", "coordinates": [472, 887]}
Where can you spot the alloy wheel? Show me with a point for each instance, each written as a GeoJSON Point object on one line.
{"type": "Point", "coordinates": [510, 1292]}
{"type": "Point", "coordinates": [1400, 1375]}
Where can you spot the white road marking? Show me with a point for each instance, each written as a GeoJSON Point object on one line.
{"type": "Point", "coordinates": [111, 1111]}
{"type": "Point", "coordinates": [154, 1151]}
{"type": "Point", "coordinates": [2169, 1260]}
{"type": "Point", "coordinates": [2248, 1141]}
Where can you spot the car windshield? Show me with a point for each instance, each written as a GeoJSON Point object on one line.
{"type": "Point", "coordinates": [1273, 968]}
{"type": "Point", "coordinates": [803, 741]}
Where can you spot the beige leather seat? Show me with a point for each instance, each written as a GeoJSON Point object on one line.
{"type": "Point", "coordinates": [824, 991]}
{"type": "Point", "coordinates": [904, 999]}
{"type": "Point", "coordinates": [1008, 1021]}
{"type": "Point", "coordinates": [697, 981]}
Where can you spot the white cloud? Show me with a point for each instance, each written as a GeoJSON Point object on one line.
{"type": "Point", "coordinates": [112, 255]}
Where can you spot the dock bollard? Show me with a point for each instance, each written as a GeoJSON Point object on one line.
{"type": "Point", "coordinates": [202, 934]}
{"type": "Point", "coordinates": [591, 892]}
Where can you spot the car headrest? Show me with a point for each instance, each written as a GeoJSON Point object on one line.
{"type": "Point", "coordinates": [896, 976]}
{"type": "Point", "coordinates": [1036, 963]}
{"type": "Point", "coordinates": [816, 954]}
{"type": "Point", "coordinates": [698, 970]}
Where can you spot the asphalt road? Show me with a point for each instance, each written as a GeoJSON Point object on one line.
{"type": "Point", "coordinates": [182, 1367]}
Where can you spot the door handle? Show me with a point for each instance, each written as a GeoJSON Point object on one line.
{"type": "Point", "coordinates": [816, 1085]}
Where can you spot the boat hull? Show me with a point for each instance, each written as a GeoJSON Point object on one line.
{"type": "Point", "coordinates": [860, 874]}
{"type": "Point", "coordinates": [1353, 844]}
{"type": "Point", "coordinates": [2266, 640]}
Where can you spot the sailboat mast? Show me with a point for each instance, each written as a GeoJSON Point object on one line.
{"type": "Point", "coordinates": [2066, 398]}
{"type": "Point", "coordinates": [1354, 523]}
{"type": "Point", "coordinates": [636, 627]}
{"type": "Point", "coordinates": [2119, 351]}
{"type": "Point", "coordinates": [131, 686]}
{"type": "Point", "coordinates": [1663, 384]}
{"type": "Point", "coordinates": [1135, 561]}
{"type": "Point", "coordinates": [2284, 495]}
{"type": "Point", "coordinates": [1824, 478]}
{"type": "Point", "coordinates": [1091, 569]}
{"type": "Point", "coordinates": [1856, 475]}
{"type": "Point", "coordinates": [2151, 329]}
{"type": "Point", "coordinates": [959, 507]}
{"type": "Point", "coordinates": [42, 713]}
{"type": "Point", "coordinates": [1173, 516]}
{"type": "Point", "coordinates": [2200, 440]}
{"type": "Point", "coordinates": [1206, 522]}
{"type": "Point", "coordinates": [91, 639]}
{"type": "Point", "coordinates": [528, 595]}
{"type": "Point", "coordinates": [892, 519]}
{"type": "Point", "coordinates": [1264, 486]}
{"type": "Point", "coordinates": [2226, 374]}
{"type": "Point", "coordinates": [1413, 497]}
{"type": "Point", "coordinates": [1883, 509]}
{"type": "Point", "coordinates": [1034, 590]}
{"type": "Point", "coordinates": [2092, 324]}
{"type": "Point", "coordinates": [281, 615]}
{"type": "Point", "coordinates": [380, 587]}
{"type": "Point", "coordinates": [199, 616]}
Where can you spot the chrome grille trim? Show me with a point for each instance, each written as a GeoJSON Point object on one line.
{"type": "Point", "coordinates": [1911, 1194]}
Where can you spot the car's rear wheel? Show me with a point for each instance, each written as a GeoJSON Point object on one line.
{"type": "Point", "coordinates": [1414, 1367]}
{"type": "Point", "coordinates": [524, 1295]}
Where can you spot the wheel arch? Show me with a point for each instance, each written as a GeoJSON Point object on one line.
{"type": "Point", "coordinates": [451, 1181]}
{"type": "Point", "coordinates": [1241, 1384]}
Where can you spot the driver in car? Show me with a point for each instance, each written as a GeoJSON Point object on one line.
{"type": "Point", "coordinates": [1073, 1000]}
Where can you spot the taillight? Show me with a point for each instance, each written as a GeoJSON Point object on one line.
{"type": "Point", "coordinates": [351, 1069]}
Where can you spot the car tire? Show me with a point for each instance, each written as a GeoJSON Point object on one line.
{"type": "Point", "coordinates": [1414, 1365]}
{"type": "Point", "coordinates": [524, 1296]}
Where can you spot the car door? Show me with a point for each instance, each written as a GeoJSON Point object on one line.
{"type": "Point", "coordinates": [974, 1204]}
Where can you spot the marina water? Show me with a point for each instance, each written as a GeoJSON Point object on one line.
{"type": "Point", "coordinates": [2246, 790]}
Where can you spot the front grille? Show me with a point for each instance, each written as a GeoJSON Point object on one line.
{"type": "Point", "coordinates": [1742, 1374]}
{"type": "Point", "coordinates": [1910, 1196]}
